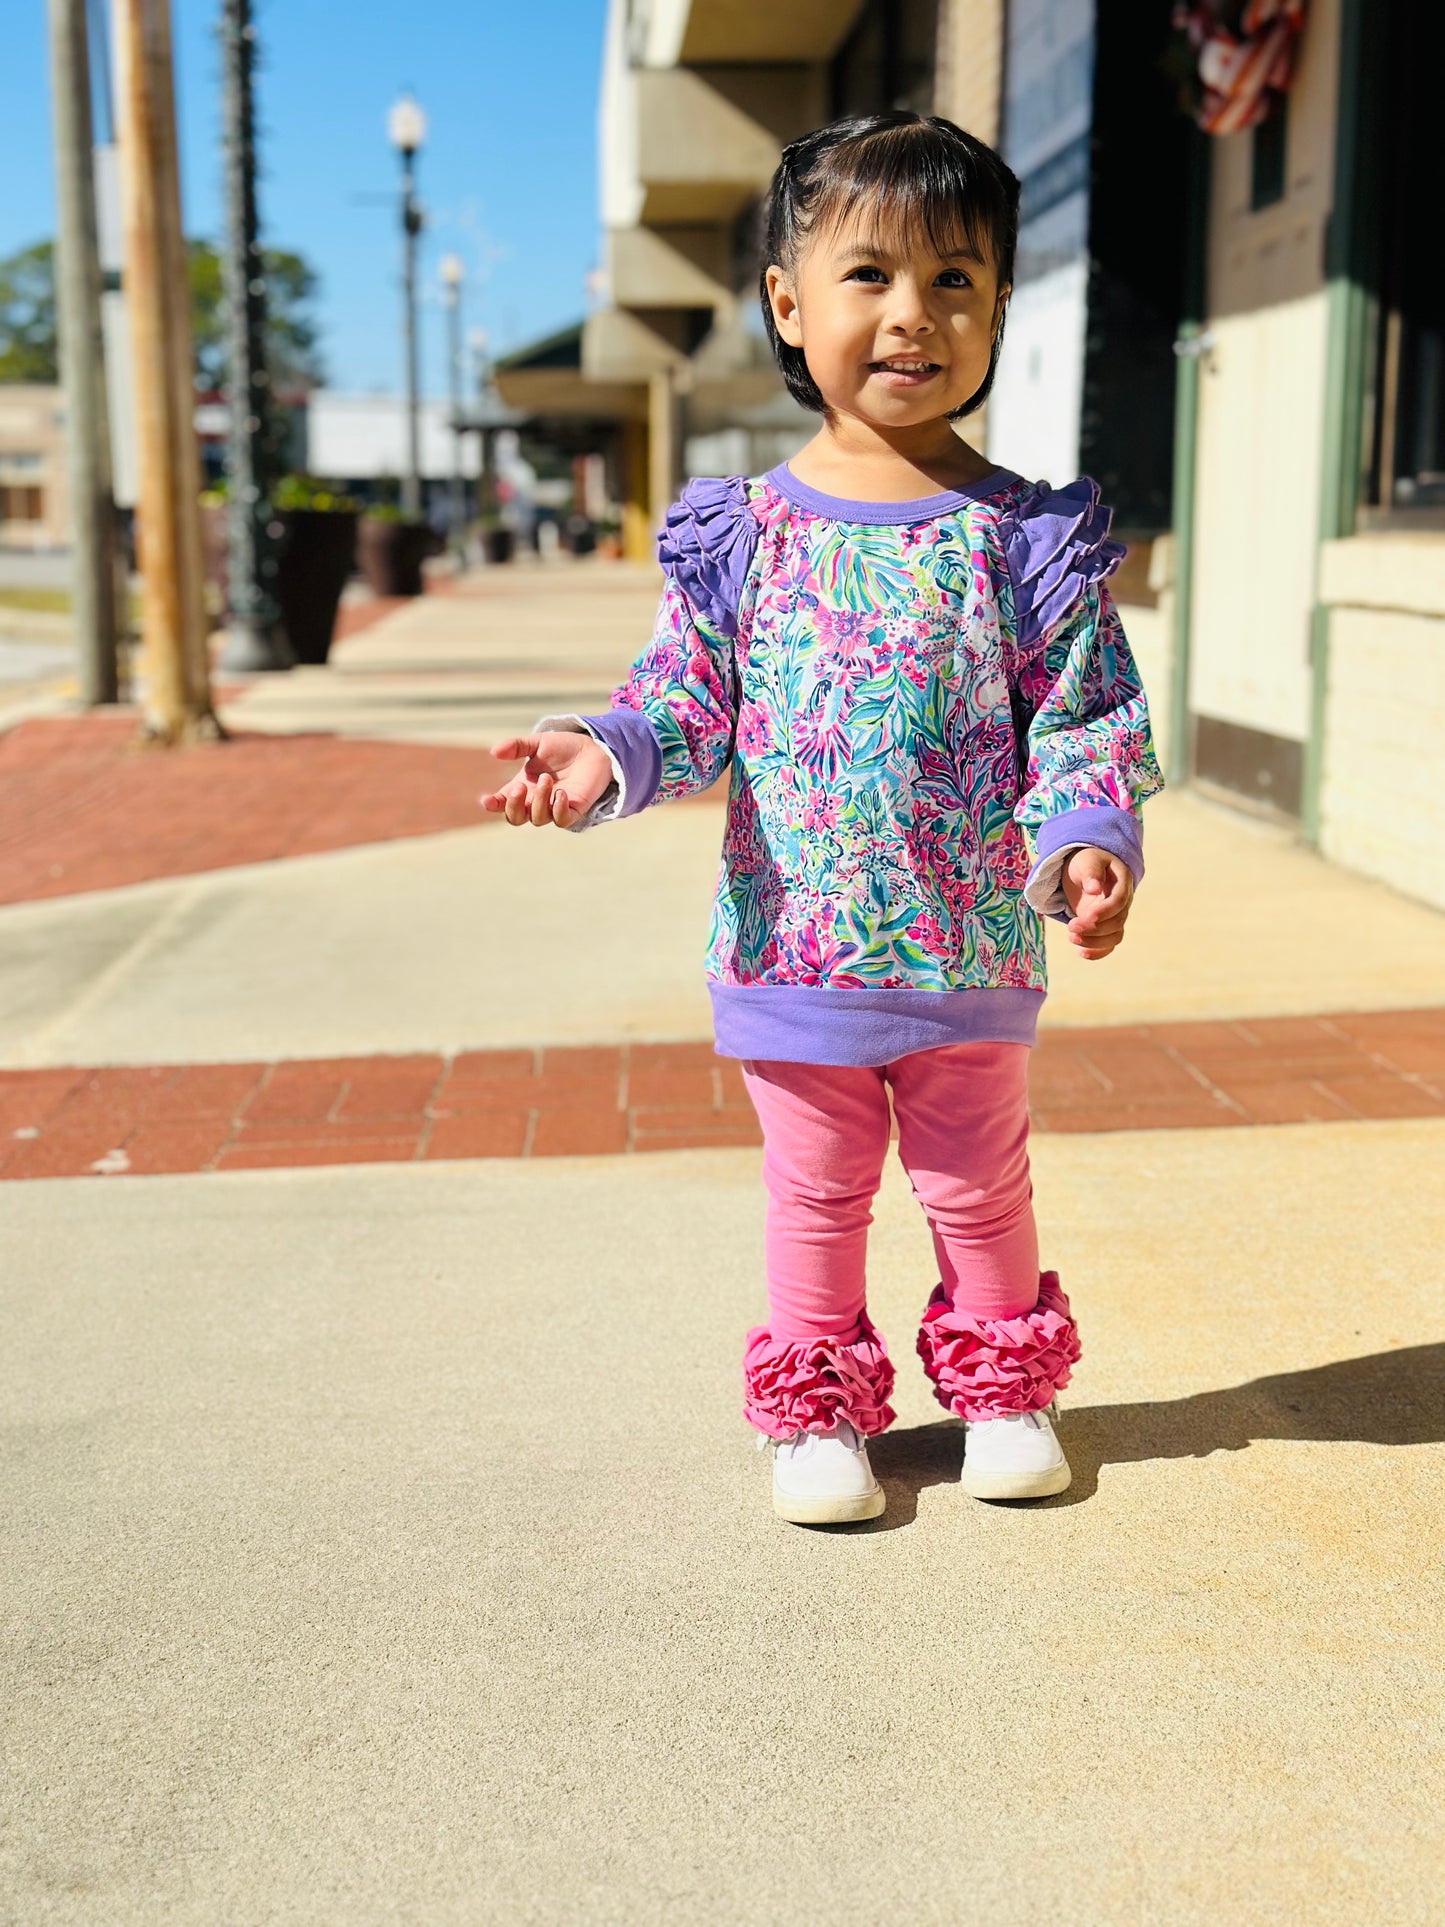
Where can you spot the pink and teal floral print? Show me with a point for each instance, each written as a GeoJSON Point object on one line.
{"type": "Point", "coordinates": [877, 834]}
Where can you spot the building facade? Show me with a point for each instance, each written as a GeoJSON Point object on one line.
{"type": "Point", "coordinates": [34, 490]}
{"type": "Point", "coordinates": [1242, 336]}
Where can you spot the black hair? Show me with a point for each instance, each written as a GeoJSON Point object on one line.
{"type": "Point", "coordinates": [914, 172]}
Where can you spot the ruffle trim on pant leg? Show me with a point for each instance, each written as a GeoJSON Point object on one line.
{"type": "Point", "coordinates": [807, 1385]}
{"type": "Point", "coordinates": [988, 1367]}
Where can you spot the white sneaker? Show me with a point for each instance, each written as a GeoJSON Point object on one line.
{"type": "Point", "coordinates": [1017, 1457]}
{"type": "Point", "coordinates": [824, 1478]}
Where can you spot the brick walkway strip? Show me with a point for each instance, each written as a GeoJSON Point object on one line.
{"type": "Point", "coordinates": [651, 1097]}
{"type": "Point", "coordinates": [82, 808]}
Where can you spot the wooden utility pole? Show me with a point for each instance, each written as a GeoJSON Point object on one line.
{"type": "Point", "coordinates": [176, 670]}
{"type": "Point", "coordinates": [82, 359]}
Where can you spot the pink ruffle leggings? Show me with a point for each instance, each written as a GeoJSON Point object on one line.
{"type": "Point", "coordinates": [996, 1337]}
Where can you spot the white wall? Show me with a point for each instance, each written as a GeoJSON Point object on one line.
{"type": "Point", "coordinates": [1261, 426]}
{"type": "Point", "coordinates": [1261, 414]}
{"type": "Point", "coordinates": [1033, 411]}
{"type": "Point", "coordinates": [362, 436]}
{"type": "Point", "coordinates": [1380, 796]}
{"type": "Point", "coordinates": [1384, 723]}
{"type": "Point", "coordinates": [618, 184]}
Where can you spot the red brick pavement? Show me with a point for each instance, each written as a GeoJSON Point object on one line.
{"type": "Point", "coordinates": [653, 1097]}
{"type": "Point", "coordinates": [83, 808]}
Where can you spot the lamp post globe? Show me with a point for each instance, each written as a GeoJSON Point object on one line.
{"type": "Point", "coordinates": [406, 124]}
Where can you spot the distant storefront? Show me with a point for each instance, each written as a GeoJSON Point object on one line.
{"type": "Point", "coordinates": [34, 498]}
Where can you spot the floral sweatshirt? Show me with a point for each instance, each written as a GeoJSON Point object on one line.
{"type": "Point", "coordinates": [922, 709]}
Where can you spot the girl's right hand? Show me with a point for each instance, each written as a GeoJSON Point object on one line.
{"type": "Point", "coordinates": [564, 773]}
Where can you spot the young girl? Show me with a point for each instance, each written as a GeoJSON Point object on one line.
{"type": "Point", "coordinates": [910, 665]}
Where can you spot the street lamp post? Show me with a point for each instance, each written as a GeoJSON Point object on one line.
{"type": "Point", "coordinates": [452, 300]}
{"type": "Point", "coordinates": [482, 382]}
{"type": "Point", "coordinates": [255, 638]}
{"type": "Point", "coordinates": [406, 129]}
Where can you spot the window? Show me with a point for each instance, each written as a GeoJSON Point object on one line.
{"type": "Point", "coordinates": [15, 459]}
{"type": "Point", "coordinates": [1406, 426]}
{"type": "Point", "coordinates": [887, 59]}
{"type": "Point", "coordinates": [1267, 156]}
{"type": "Point", "coordinates": [18, 504]}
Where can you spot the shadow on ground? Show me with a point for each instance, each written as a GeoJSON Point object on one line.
{"type": "Point", "coordinates": [1386, 1398]}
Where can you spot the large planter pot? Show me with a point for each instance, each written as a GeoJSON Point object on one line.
{"type": "Point", "coordinates": [390, 555]}
{"type": "Point", "coordinates": [318, 552]}
{"type": "Point", "coordinates": [315, 554]}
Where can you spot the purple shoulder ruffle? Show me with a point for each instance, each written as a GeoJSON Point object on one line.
{"type": "Point", "coordinates": [706, 546]}
{"type": "Point", "coordinates": [1056, 541]}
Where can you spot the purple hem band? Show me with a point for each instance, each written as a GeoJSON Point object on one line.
{"type": "Point", "coordinates": [1103, 826]}
{"type": "Point", "coordinates": [813, 1024]}
{"type": "Point", "coordinates": [925, 508]}
{"type": "Point", "coordinates": [633, 741]}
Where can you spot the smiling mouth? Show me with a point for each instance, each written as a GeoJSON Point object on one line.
{"type": "Point", "coordinates": [909, 368]}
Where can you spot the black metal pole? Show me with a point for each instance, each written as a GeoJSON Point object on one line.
{"type": "Point", "coordinates": [411, 221]}
{"type": "Point", "coordinates": [255, 637]}
{"type": "Point", "coordinates": [454, 383]}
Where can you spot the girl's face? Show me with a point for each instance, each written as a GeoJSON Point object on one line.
{"type": "Point", "coordinates": [893, 331]}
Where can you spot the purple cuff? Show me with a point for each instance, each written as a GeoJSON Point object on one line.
{"type": "Point", "coordinates": [1097, 826]}
{"type": "Point", "coordinates": [632, 742]}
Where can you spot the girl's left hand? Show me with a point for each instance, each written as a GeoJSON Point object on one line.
{"type": "Point", "coordinates": [1099, 889]}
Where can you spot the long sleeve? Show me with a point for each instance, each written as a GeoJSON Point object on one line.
{"type": "Point", "coordinates": [682, 688]}
{"type": "Point", "coordinates": [671, 724]}
{"type": "Point", "coordinates": [1090, 762]}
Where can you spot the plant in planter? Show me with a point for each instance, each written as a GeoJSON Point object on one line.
{"type": "Point", "coordinates": [318, 553]}
{"type": "Point", "coordinates": [499, 543]}
{"type": "Point", "coordinates": [314, 528]}
{"type": "Point", "coordinates": [391, 547]}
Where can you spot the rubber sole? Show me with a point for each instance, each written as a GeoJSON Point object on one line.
{"type": "Point", "coordinates": [829, 1512]}
{"type": "Point", "coordinates": [1016, 1485]}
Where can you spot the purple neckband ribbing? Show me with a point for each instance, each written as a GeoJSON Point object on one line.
{"type": "Point", "coordinates": [924, 508]}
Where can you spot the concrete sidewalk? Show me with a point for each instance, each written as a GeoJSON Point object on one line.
{"type": "Point", "coordinates": [488, 938]}
{"type": "Point", "coordinates": [504, 646]}
{"type": "Point", "coordinates": [385, 1545]}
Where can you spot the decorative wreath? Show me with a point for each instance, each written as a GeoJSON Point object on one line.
{"type": "Point", "coordinates": [1239, 58]}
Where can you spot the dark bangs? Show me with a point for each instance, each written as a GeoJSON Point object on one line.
{"type": "Point", "coordinates": [906, 177]}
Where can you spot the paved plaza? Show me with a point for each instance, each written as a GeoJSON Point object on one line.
{"type": "Point", "coordinates": [383, 1540]}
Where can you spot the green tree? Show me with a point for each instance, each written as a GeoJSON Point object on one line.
{"type": "Point", "coordinates": [27, 317]}
{"type": "Point", "coordinates": [292, 353]}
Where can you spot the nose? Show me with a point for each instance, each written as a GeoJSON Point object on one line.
{"type": "Point", "coordinates": [908, 309]}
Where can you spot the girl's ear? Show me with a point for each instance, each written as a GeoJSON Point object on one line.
{"type": "Point", "coordinates": [1000, 307]}
{"type": "Point", "coordinates": [784, 304]}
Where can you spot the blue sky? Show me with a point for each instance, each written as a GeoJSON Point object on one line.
{"type": "Point", "coordinates": [508, 174]}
